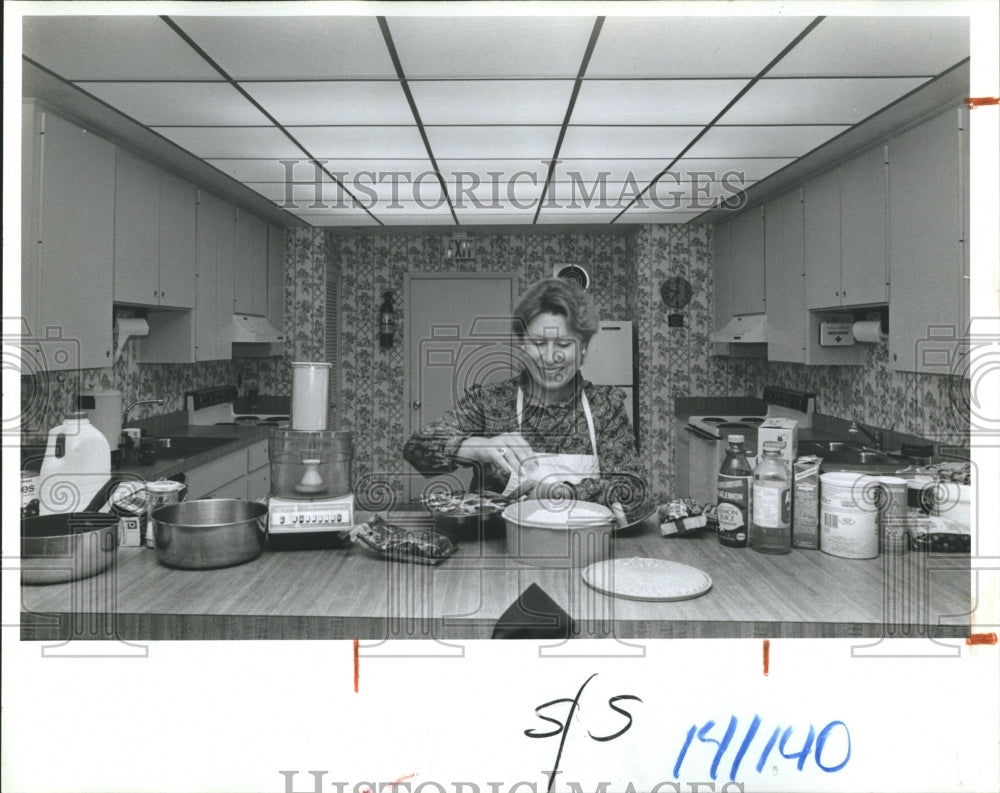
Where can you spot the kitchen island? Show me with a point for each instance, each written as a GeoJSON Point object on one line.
{"type": "Point", "coordinates": [350, 592]}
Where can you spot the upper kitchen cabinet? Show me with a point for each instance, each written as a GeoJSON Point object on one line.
{"type": "Point", "coordinates": [155, 227]}
{"type": "Point", "coordinates": [68, 225]}
{"type": "Point", "coordinates": [204, 334]}
{"type": "Point", "coordinates": [845, 234]}
{"type": "Point", "coordinates": [747, 282]}
{"type": "Point", "coordinates": [276, 276]}
{"type": "Point", "coordinates": [251, 264]}
{"type": "Point", "coordinates": [928, 271]}
{"type": "Point", "coordinates": [738, 266]}
{"type": "Point", "coordinates": [793, 331]}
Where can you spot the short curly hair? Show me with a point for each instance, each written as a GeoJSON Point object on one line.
{"type": "Point", "coordinates": [557, 296]}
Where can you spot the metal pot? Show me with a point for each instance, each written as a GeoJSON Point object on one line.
{"type": "Point", "coordinates": [211, 532]}
{"type": "Point", "coordinates": [67, 547]}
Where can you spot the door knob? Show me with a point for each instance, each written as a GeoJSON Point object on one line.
{"type": "Point", "coordinates": [415, 405]}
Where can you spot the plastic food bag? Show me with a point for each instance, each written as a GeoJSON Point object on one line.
{"type": "Point", "coordinates": [420, 547]}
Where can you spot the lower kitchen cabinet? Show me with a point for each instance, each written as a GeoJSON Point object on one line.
{"type": "Point", "coordinates": [928, 273]}
{"type": "Point", "coordinates": [68, 221]}
{"type": "Point", "coordinates": [236, 475]}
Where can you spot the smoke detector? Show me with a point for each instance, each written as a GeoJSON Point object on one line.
{"type": "Point", "coordinates": [572, 272]}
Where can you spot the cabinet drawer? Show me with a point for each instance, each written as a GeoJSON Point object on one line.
{"type": "Point", "coordinates": [211, 476]}
{"type": "Point", "coordinates": [257, 456]}
{"type": "Point", "coordinates": [235, 489]}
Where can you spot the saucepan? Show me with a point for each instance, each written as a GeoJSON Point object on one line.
{"type": "Point", "coordinates": [69, 546]}
{"type": "Point", "coordinates": [209, 532]}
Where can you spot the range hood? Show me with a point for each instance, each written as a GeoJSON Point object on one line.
{"type": "Point", "coordinates": [744, 329]}
{"type": "Point", "coordinates": [255, 330]}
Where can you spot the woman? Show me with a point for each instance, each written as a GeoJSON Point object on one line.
{"type": "Point", "coordinates": [547, 432]}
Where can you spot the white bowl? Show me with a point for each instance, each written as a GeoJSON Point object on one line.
{"type": "Point", "coordinates": [558, 534]}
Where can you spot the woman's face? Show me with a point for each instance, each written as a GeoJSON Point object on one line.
{"type": "Point", "coordinates": [554, 353]}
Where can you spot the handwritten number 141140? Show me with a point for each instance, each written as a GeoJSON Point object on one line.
{"type": "Point", "coordinates": [812, 745]}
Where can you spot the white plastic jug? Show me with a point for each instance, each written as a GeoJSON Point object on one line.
{"type": "Point", "coordinates": [76, 465]}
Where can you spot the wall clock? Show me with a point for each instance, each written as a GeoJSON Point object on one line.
{"type": "Point", "coordinates": [676, 292]}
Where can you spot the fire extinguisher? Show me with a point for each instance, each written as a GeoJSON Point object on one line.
{"type": "Point", "coordinates": [386, 321]}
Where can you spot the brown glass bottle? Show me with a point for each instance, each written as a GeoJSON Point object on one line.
{"type": "Point", "coordinates": [735, 495]}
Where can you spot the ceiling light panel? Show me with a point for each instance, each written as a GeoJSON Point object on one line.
{"type": "Point", "coordinates": [355, 218]}
{"type": "Point", "coordinates": [214, 142]}
{"type": "Point", "coordinates": [843, 100]}
{"type": "Point", "coordinates": [295, 169]}
{"type": "Point", "coordinates": [878, 46]}
{"type": "Point", "coordinates": [633, 216]}
{"type": "Point", "coordinates": [112, 48]}
{"type": "Point", "coordinates": [625, 142]}
{"type": "Point", "coordinates": [333, 102]}
{"type": "Point", "coordinates": [179, 103]}
{"type": "Point", "coordinates": [731, 171]}
{"type": "Point", "coordinates": [527, 142]}
{"type": "Point", "coordinates": [720, 47]}
{"type": "Point", "coordinates": [653, 101]}
{"type": "Point", "coordinates": [331, 143]}
{"type": "Point", "coordinates": [491, 101]}
{"type": "Point", "coordinates": [496, 47]}
{"type": "Point", "coordinates": [790, 141]}
{"type": "Point", "coordinates": [292, 47]}
{"type": "Point", "coordinates": [589, 171]}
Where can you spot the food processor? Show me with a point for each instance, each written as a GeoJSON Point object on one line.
{"type": "Point", "coordinates": [311, 501]}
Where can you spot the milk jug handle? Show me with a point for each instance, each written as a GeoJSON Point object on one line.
{"type": "Point", "coordinates": [57, 445]}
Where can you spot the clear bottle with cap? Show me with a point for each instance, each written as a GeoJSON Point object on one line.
{"type": "Point", "coordinates": [771, 526]}
{"type": "Point", "coordinates": [735, 494]}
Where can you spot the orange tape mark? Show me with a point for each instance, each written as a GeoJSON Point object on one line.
{"type": "Point", "coordinates": [357, 665]}
{"type": "Point", "coordinates": [981, 638]}
{"type": "Point", "coordinates": [767, 655]}
{"type": "Point", "coordinates": [982, 101]}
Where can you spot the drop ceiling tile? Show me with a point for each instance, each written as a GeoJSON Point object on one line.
{"type": "Point", "coordinates": [619, 141]}
{"type": "Point", "coordinates": [179, 103]}
{"type": "Point", "coordinates": [493, 141]}
{"type": "Point", "coordinates": [215, 142]}
{"type": "Point", "coordinates": [497, 47]}
{"type": "Point", "coordinates": [719, 47]}
{"type": "Point", "coordinates": [297, 169]}
{"type": "Point", "coordinates": [349, 219]}
{"type": "Point", "coordinates": [112, 48]}
{"type": "Point", "coordinates": [839, 100]}
{"type": "Point", "coordinates": [424, 219]}
{"type": "Point", "coordinates": [589, 172]}
{"type": "Point", "coordinates": [333, 102]}
{"type": "Point", "coordinates": [491, 101]}
{"type": "Point", "coordinates": [332, 143]}
{"type": "Point", "coordinates": [788, 141]}
{"type": "Point", "coordinates": [550, 216]}
{"type": "Point", "coordinates": [292, 47]}
{"type": "Point", "coordinates": [749, 169]}
{"type": "Point", "coordinates": [878, 46]}
{"type": "Point", "coordinates": [653, 101]}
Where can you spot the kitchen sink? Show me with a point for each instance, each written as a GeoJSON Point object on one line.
{"type": "Point", "coordinates": [178, 448]}
{"type": "Point", "coordinates": [825, 448]}
{"type": "Point", "coordinates": [862, 460]}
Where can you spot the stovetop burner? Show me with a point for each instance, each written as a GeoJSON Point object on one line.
{"type": "Point", "coordinates": [714, 419]}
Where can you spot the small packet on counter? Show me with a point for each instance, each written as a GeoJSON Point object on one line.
{"type": "Point", "coordinates": [420, 547]}
{"type": "Point", "coordinates": [684, 516]}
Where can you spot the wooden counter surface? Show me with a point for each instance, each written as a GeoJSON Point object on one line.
{"type": "Point", "coordinates": [351, 592]}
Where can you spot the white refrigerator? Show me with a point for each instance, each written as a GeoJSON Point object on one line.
{"type": "Point", "coordinates": [609, 362]}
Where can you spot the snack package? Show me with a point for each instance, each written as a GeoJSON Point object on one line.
{"type": "Point", "coordinates": [420, 547]}
{"type": "Point", "coordinates": [684, 516]}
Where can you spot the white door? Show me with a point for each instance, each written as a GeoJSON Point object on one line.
{"type": "Point", "coordinates": [458, 335]}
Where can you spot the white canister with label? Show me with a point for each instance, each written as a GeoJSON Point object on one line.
{"type": "Point", "coordinates": [310, 395]}
{"type": "Point", "coordinates": [163, 491]}
{"type": "Point", "coordinates": [849, 515]}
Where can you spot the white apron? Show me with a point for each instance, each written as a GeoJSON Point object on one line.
{"type": "Point", "coordinates": [572, 468]}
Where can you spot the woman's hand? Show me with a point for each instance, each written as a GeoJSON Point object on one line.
{"type": "Point", "coordinates": [507, 451]}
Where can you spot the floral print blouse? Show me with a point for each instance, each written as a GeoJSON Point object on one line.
{"type": "Point", "coordinates": [560, 428]}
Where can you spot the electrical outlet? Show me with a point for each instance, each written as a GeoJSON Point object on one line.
{"type": "Point", "coordinates": [675, 320]}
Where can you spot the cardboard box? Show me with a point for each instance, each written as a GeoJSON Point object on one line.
{"type": "Point", "coordinates": [780, 430]}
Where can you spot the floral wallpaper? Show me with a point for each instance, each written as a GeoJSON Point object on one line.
{"type": "Point", "coordinates": [627, 266]}
{"type": "Point", "coordinates": [371, 379]}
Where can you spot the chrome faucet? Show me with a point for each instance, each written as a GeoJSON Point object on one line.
{"type": "Point", "coordinates": [875, 436]}
{"type": "Point", "coordinates": [138, 402]}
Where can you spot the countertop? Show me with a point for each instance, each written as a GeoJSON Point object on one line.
{"type": "Point", "coordinates": [351, 592]}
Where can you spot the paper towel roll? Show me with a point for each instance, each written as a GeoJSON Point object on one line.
{"type": "Point", "coordinates": [869, 331]}
{"type": "Point", "coordinates": [129, 326]}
